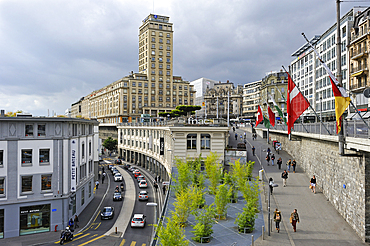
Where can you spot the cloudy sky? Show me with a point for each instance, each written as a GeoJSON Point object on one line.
{"type": "Point", "coordinates": [53, 52]}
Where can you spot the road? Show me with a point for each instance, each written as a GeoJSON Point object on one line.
{"type": "Point", "coordinates": [94, 234]}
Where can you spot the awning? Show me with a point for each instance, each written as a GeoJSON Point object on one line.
{"type": "Point", "coordinates": [357, 74]}
{"type": "Point", "coordinates": [355, 116]}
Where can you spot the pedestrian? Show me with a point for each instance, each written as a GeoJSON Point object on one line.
{"type": "Point", "coordinates": [253, 150]}
{"type": "Point", "coordinates": [313, 184]}
{"type": "Point", "coordinates": [294, 219]}
{"type": "Point", "coordinates": [159, 178]}
{"type": "Point", "coordinates": [155, 179]}
{"type": "Point", "coordinates": [294, 163]}
{"type": "Point", "coordinates": [97, 184]}
{"type": "Point", "coordinates": [245, 141]}
{"type": "Point", "coordinates": [271, 182]}
{"type": "Point", "coordinates": [76, 222]}
{"type": "Point", "coordinates": [241, 137]}
{"type": "Point", "coordinates": [164, 190]}
{"type": "Point", "coordinates": [279, 162]}
{"type": "Point", "coordinates": [288, 164]}
{"type": "Point", "coordinates": [268, 151]}
{"type": "Point", "coordinates": [268, 159]}
{"type": "Point", "coordinates": [102, 178]}
{"type": "Point", "coordinates": [233, 128]}
{"type": "Point", "coordinates": [272, 159]}
{"type": "Point", "coordinates": [155, 186]}
{"type": "Point", "coordinates": [236, 136]}
{"type": "Point", "coordinates": [284, 176]}
{"type": "Point", "coordinates": [71, 225]}
{"type": "Point", "coordinates": [277, 219]}
{"type": "Point", "coordinates": [253, 137]}
{"type": "Point", "coordinates": [245, 135]}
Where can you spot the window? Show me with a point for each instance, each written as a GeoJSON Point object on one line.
{"type": "Point", "coordinates": [27, 156]}
{"type": "Point", "coordinates": [83, 150]}
{"type": "Point", "coordinates": [29, 130]}
{"type": "Point", "coordinates": [90, 148]}
{"type": "Point", "coordinates": [44, 156]}
{"type": "Point", "coordinates": [153, 39]}
{"type": "Point", "coordinates": [133, 83]}
{"type": "Point", "coordinates": [41, 130]}
{"type": "Point", "coordinates": [90, 189]}
{"type": "Point", "coordinates": [34, 219]}
{"type": "Point", "coordinates": [2, 186]}
{"type": "Point", "coordinates": [46, 182]}
{"type": "Point", "coordinates": [191, 141]}
{"type": "Point", "coordinates": [82, 196]}
{"type": "Point", "coordinates": [26, 183]}
{"type": "Point", "coordinates": [90, 166]}
{"type": "Point", "coordinates": [205, 141]}
{"type": "Point", "coordinates": [1, 157]}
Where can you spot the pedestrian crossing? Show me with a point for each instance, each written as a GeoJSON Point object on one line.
{"type": "Point", "coordinates": [92, 239]}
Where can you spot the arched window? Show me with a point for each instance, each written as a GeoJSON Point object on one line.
{"type": "Point", "coordinates": [205, 141]}
{"type": "Point", "coordinates": [191, 141]}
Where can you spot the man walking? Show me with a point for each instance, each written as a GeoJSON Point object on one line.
{"type": "Point", "coordinates": [76, 222]}
{"type": "Point", "coordinates": [253, 150]}
{"type": "Point", "coordinates": [288, 164]}
{"type": "Point", "coordinates": [268, 159]}
{"type": "Point", "coordinates": [294, 219]}
{"type": "Point", "coordinates": [272, 159]}
{"type": "Point", "coordinates": [284, 176]}
{"type": "Point", "coordinates": [155, 186]}
{"type": "Point", "coordinates": [294, 163]}
{"type": "Point", "coordinates": [279, 162]}
{"type": "Point", "coordinates": [97, 184]}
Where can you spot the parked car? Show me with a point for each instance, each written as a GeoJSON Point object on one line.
{"type": "Point", "coordinates": [117, 196]}
{"type": "Point", "coordinates": [143, 195]}
{"type": "Point", "coordinates": [107, 213]}
{"type": "Point", "coordinates": [138, 220]}
{"type": "Point", "coordinates": [117, 177]}
{"type": "Point", "coordinates": [143, 184]}
{"type": "Point", "coordinates": [140, 177]}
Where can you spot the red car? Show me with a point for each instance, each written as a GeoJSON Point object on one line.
{"type": "Point", "coordinates": [137, 174]}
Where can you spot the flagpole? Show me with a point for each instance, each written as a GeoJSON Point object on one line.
{"type": "Point", "coordinates": [308, 103]}
{"type": "Point", "coordinates": [268, 129]}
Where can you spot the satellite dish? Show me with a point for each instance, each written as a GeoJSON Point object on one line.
{"type": "Point", "coordinates": [367, 93]}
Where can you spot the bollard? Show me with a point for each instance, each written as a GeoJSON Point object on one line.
{"type": "Point", "coordinates": [252, 244]}
{"type": "Point", "coordinates": [263, 233]}
{"type": "Point", "coordinates": [116, 229]}
{"type": "Point", "coordinates": [271, 225]}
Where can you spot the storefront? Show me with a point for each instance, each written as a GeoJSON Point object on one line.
{"type": "Point", "coordinates": [34, 219]}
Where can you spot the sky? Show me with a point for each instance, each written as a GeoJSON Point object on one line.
{"type": "Point", "coordinates": [52, 53]}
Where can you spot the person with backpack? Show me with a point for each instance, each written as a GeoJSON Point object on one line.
{"type": "Point", "coordinates": [277, 219]}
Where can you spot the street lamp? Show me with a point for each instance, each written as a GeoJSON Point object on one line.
{"type": "Point", "coordinates": [153, 204]}
{"type": "Point", "coordinates": [271, 185]}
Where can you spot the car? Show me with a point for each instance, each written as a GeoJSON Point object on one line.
{"type": "Point", "coordinates": [143, 195]}
{"type": "Point", "coordinates": [138, 220]}
{"type": "Point", "coordinates": [131, 169]}
{"type": "Point", "coordinates": [143, 184]}
{"type": "Point", "coordinates": [110, 166]}
{"type": "Point", "coordinates": [117, 196]}
{"type": "Point", "coordinates": [118, 161]}
{"type": "Point", "coordinates": [115, 171]}
{"type": "Point", "coordinates": [113, 168]}
{"type": "Point", "coordinates": [126, 166]}
{"type": "Point", "coordinates": [140, 177]}
{"type": "Point", "coordinates": [107, 213]}
{"type": "Point", "coordinates": [117, 177]}
{"type": "Point", "coordinates": [137, 173]}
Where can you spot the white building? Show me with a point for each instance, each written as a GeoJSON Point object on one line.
{"type": "Point", "coordinates": [47, 171]}
{"type": "Point", "coordinates": [200, 86]}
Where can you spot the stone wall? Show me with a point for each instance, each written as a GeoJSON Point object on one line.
{"type": "Point", "coordinates": [341, 178]}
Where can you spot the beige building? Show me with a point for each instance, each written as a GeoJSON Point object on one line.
{"type": "Point", "coordinates": [217, 98]}
{"type": "Point", "coordinates": [251, 99]}
{"type": "Point", "coordinates": [274, 84]}
{"type": "Point", "coordinates": [154, 89]}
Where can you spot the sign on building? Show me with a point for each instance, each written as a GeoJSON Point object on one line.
{"type": "Point", "coordinates": [231, 156]}
{"type": "Point", "coordinates": [73, 165]}
{"type": "Point", "coordinates": [161, 146]}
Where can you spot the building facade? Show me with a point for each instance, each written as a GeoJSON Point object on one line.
{"type": "Point", "coordinates": [47, 172]}
{"type": "Point", "coordinates": [200, 86]}
{"type": "Point", "coordinates": [251, 100]}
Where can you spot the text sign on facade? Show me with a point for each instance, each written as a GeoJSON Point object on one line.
{"type": "Point", "coordinates": [73, 165]}
{"type": "Point", "coordinates": [161, 146]}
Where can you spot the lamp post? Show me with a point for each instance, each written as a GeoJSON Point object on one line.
{"type": "Point", "coordinates": [320, 112]}
{"type": "Point", "coordinates": [271, 185]}
{"type": "Point", "coordinates": [153, 204]}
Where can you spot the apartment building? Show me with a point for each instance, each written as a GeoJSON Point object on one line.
{"type": "Point", "coordinates": [251, 100]}
{"type": "Point", "coordinates": [48, 167]}
{"type": "Point", "coordinates": [200, 86]}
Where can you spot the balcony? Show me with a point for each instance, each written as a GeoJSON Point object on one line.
{"type": "Point", "coordinates": [361, 52]}
{"type": "Point", "coordinates": [359, 86]}
{"type": "Point", "coordinates": [359, 69]}
{"type": "Point", "coordinates": [360, 34]}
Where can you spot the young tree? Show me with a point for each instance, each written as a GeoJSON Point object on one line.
{"type": "Point", "coordinates": [246, 219]}
{"type": "Point", "coordinates": [171, 234]}
{"type": "Point", "coordinates": [222, 198]}
{"type": "Point", "coordinates": [110, 143]}
{"type": "Point", "coordinates": [187, 200]}
{"type": "Point", "coordinates": [183, 178]}
{"type": "Point", "coordinates": [213, 170]}
{"type": "Point", "coordinates": [205, 221]}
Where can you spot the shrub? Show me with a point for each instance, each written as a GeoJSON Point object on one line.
{"type": "Point", "coordinates": [205, 221]}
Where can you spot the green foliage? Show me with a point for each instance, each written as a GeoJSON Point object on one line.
{"type": "Point", "coordinates": [205, 221]}
{"type": "Point", "coordinates": [247, 218]}
{"type": "Point", "coordinates": [171, 234]}
{"type": "Point", "coordinates": [222, 198]}
{"type": "Point", "coordinates": [110, 143]}
{"type": "Point", "coordinates": [13, 114]}
{"type": "Point", "coordinates": [213, 170]}
{"type": "Point", "coordinates": [184, 175]}
{"type": "Point", "coordinates": [187, 201]}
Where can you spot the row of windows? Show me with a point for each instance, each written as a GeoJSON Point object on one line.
{"type": "Point", "coordinates": [161, 40]}
{"type": "Point", "coordinates": [40, 130]}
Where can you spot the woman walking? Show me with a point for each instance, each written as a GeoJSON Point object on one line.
{"type": "Point", "coordinates": [294, 219]}
{"type": "Point", "coordinates": [277, 219]}
{"type": "Point", "coordinates": [313, 184]}
{"type": "Point", "coordinates": [279, 162]}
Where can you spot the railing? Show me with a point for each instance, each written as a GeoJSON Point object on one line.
{"type": "Point", "coordinates": [358, 68]}
{"type": "Point", "coordinates": [352, 128]}
{"type": "Point", "coordinates": [361, 50]}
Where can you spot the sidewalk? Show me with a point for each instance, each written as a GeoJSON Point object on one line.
{"type": "Point", "coordinates": [320, 224]}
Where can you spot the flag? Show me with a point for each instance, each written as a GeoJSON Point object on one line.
{"type": "Point", "coordinates": [342, 100]}
{"type": "Point", "coordinates": [259, 116]}
{"type": "Point", "coordinates": [266, 122]}
{"type": "Point", "coordinates": [278, 109]}
{"type": "Point", "coordinates": [271, 115]}
{"type": "Point", "coordinates": [296, 103]}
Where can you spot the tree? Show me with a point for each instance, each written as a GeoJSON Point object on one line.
{"type": "Point", "coordinates": [11, 114]}
{"type": "Point", "coordinates": [183, 177]}
{"type": "Point", "coordinates": [246, 219]}
{"type": "Point", "coordinates": [213, 170]}
{"type": "Point", "coordinates": [171, 234]}
{"type": "Point", "coordinates": [110, 143]}
{"type": "Point", "coordinates": [205, 221]}
{"type": "Point", "coordinates": [187, 201]}
{"type": "Point", "coordinates": [222, 198]}
{"type": "Point", "coordinates": [188, 109]}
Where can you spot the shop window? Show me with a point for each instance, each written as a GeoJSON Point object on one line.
{"type": "Point", "coordinates": [82, 196]}
{"type": "Point", "coordinates": [29, 130]}
{"type": "Point", "coordinates": [44, 156]}
{"type": "Point", "coordinates": [46, 182]}
{"type": "Point", "coordinates": [191, 141]}
{"type": "Point", "coordinates": [26, 183]}
{"type": "Point", "coordinates": [205, 141]}
{"type": "Point", "coordinates": [27, 157]}
{"type": "Point", "coordinates": [41, 130]}
{"type": "Point", "coordinates": [34, 219]}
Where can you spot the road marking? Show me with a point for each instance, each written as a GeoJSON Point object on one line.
{"type": "Point", "coordinates": [133, 243]}
{"type": "Point", "coordinates": [123, 242]}
{"type": "Point", "coordinates": [97, 226]}
{"type": "Point", "coordinates": [92, 240]}
{"type": "Point", "coordinates": [144, 244]}
{"type": "Point", "coordinates": [75, 237]}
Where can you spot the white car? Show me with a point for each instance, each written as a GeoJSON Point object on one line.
{"type": "Point", "coordinates": [117, 177]}
{"type": "Point", "coordinates": [143, 195]}
{"type": "Point", "coordinates": [143, 184]}
{"type": "Point", "coordinates": [138, 220]}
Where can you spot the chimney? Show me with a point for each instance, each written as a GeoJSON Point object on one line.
{"type": "Point", "coordinates": [227, 81]}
